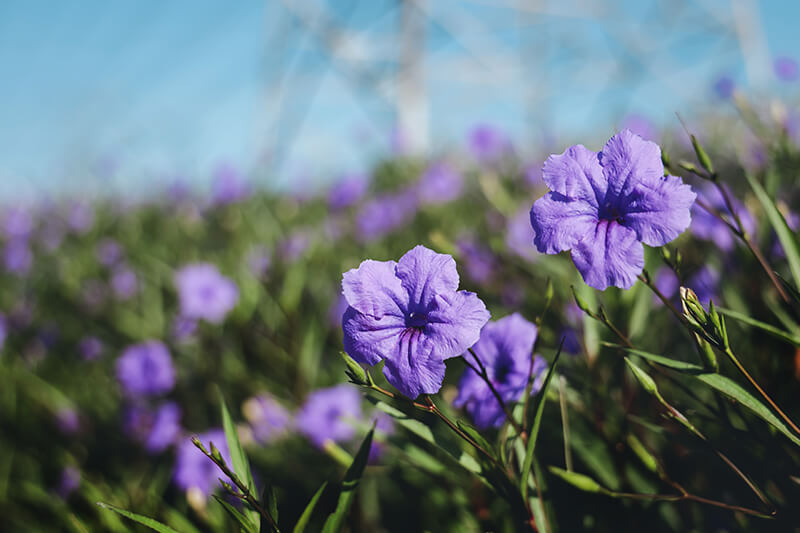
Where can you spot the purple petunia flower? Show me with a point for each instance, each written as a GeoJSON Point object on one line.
{"type": "Point", "coordinates": [145, 369]}
{"type": "Point", "coordinates": [505, 350]}
{"type": "Point", "coordinates": [411, 315]}
{"type": "Point", "coordinates": [17, 256]}
{"type": "Point", "coordinates": [709, 228]}
{"type": "Point", "coordinates": [384, 214]}
{"type": "Point", "coordinates": [69, 482]}
{"type": "Point", "coordinates": [156, 430]}
{"type": "Point", "coordinates": [124, 283]}
{"type": "Point", "coordinates": [786, 69]}
{"type": "Point", "coordinates": [604, 205]}
{"type": "Point", "coordinates": [347, 191]}
{"type": "Point", "coordinates": [90, 348]}
{"type": "Point", "coordinates": [328, 414]}
{"type": "Point", "coordinates": [205, 293]}
{"type": "Point", "coordinates": [268, 418]}
{"type": "Point", "coordinates": [109, 252]}
{"type": "Point", "coordinates": [439, 184]}
{"type": "Point", "coordinates": [193, 470]}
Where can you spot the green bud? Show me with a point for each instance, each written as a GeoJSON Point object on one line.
{"type": "Point", "coordinates": [707, 353]}
{"type": "Point", "coordinates": [642, 453]}
{"type": "Point", "coordinates": [702, 156]}
{"type": "Point", "coordinates": [548, 293]}
{"type": "Point", "coordinates": [579, 481]}
{"type": "Point", "coordinates": [582, 305]}
{"type": "Point", "coordinates": [354, 371]}
{"type": "Point", "coordinates": [643, 378]}
{"type": "Point", "coordinates": [199, 444]}
{"type": "Point", "coordinates": [215, 453]}
{"type": "Point", "coordinates": [686, 165]}
{"type": "Point", "coordinates": [665, 161]}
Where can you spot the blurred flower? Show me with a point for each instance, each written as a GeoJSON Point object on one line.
{"type": "Point", "coordinates": [487, 143]}
{"type": "Point", "coordinates": [667, 284]}
{"type": "Point", "coordinates": [705, 284]}
{"type": "Point", "coordinates": [479, 261]}
{"type": "Point", "coordinates": [384, 424]}
{"type": "Point", "coordinates": [411, 315]}
{"type": "Point", "coordinates": [504, 349]}
{"type": "Point", "coordinates": [81, 217]}
{"type": "Point", "coordinates": [295, 245]}
{"type": "Point", "coordinates": [93, 293]}
{"type": "Point", "coordinates": [109, 252]}
{"type": "Point", "coordinates": [17, 223]}
{"type": "Point", "coordinates": [183, 328]}
{"type": "Point", "coordinates": [67, 420]}
{"type": "Point", "coordinates": [336, 311]}
{"type": "Point", "coordinates": [124, 282]}
{"type": "Point", "coordinates": [328, 414]}
{"type": "Point", "coordinates": [193, 470]}
{"type": "Point", "coordinates": [572, 341]}
{"type": "Point", "coordinates": [708, 227]}
{"type": "Point", "coordinates": [520, 234]}
{"type": "Point", "coordinates": [70, 480]}
{"type": "Point", "coordinates": [640, 125]}
{"type": "Point", "coordinates": [793, 221]}
{"type": "Point", "coordinates": [52, 234]}
{"type": "Point", "coordinates": [17, 256]}
{"type": "Point", "coordinates": [204, 293]}
{"type": "Point", "coordinates": [3, 329]}
{"type": "Point", "coordinates": [533, 174]}
{"type": "Point", "coordinates": [786, 69]}
{"type": "Point", "coordinates": [384, 214]}
{"type": "Point", "coordinates": [268, 418]}
{"type": "Point", "coordinates": [90, 348]}
{"type": "Point", "coordinates": [145, 369]}
{"type": "Point", "coordinates": [603, 206]}
{"type": "Point", "coordinates": [724, 87]}
{"type": "Point", "coordinates": [156, 430]}
{"type": "Point", "coordinates": [347, 191]}
{"type": "Point", "coordinates": [259, 260]}
{"type": "Point", "coordinates": [439, 184]}
{"type": "Point", "coordinates": [228, 186]}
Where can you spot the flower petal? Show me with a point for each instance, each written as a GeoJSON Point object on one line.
{"type": "Point", "coordinates": [368, 339]}
{"type": "Point", "coordinates": [576, 174]}
{"type": "Point", "coordinates": [611, 256]}
{"type": "Point", "coordinates": [560, 222]}
{"type": "Point", "coordinates": [425, 273]}
{"type": "Point", "coordinates": [412, 368]}
{"type": "Point", "coordinates": [455, 323]}
{"type": "Point", "coordinates": [659, 212]}
{"type": "Point", "coordinates": [628, 160]}
{"type": "Point", "coordinates": [374, 289]}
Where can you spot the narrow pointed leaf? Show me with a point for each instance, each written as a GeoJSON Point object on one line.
{"type": "Point", "coordinates": [350, 484]}
{"type": "Point", "coordinates": [144, 520]}
{"type": "Point", "coordinates": [237, 515]}
{"type": "Point", "coordinates": [300, 527]}
{"type": "Point", "coordinates": [767, 328]}
{"type": "Point", "coordinates": [674, 364]}
{"type": "Point", "coordinates": [240, 465]}
{"type": "Point", "coordinates": [579, 481]}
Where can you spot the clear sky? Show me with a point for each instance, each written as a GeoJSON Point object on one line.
{"type": "Point", "coordinates": [124, 96]}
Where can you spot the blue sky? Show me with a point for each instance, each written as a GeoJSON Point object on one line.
{"type": "Point", "coordinates": [124, 96]}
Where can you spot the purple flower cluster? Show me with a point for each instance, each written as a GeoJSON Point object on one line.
{"type": "Point", "coordinates": [204, 293]}
{"type": "Point", "coordinates": [145, 369]}
{"type": "Point", "coordinates": [411, 315]}
{"type": "Point", "coordinates": [505, 350]}
{"type": "Point", "coordinates": [604, 205]}
{"type": "Point", "coordinates": [439, 184]}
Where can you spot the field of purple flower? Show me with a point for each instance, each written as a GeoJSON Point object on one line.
{"type": "Point", "coordinates": [606, 338]}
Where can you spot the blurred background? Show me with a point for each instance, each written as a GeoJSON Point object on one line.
{"type": "Point", "coordinates": [108, 98]}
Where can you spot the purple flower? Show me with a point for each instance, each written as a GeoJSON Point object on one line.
{"type": "Point", "coordinates": [347, 191]}
{"type": "Point", "coordinates": [520, 234]}
{"type": "Point", "coordinates": [709, 228]}
{"type": "Point", "coordinates": [259, 260]}
{"type": "Point", "coordinates": [69, 482]}
{"type": "Point", "coordinates": [17, 223]}
{"type": "Point", "coordinates": [124, 283]}
{"type": "Point", "coordinates": [505, 350]}
{"type": "Point", "coordinates": [145, 369]}
{"type": "Point", "coordinates": [228, 186]}
{"type": "Point", "coordinates": [384, 214]}
{"type": "Point", "coordinates": [704, 283]}
{"type": "Point", "coordinates": [328, 414]}
{"type": "Point", "coordinates": [17, 256]}
{"type": "Point", "coordinates": [90, 348]}
{"type": "Point", "coordinates": [109, 252]}
{"type": "Point", "coordinates": [52, 235]}
{"type": "Point", "coordinates": [193, 470]}
{"type": "Point", "coordinates": [604, 205]}
{"type": "Point", "coordinates": [667, 283]}
{"type": "Point", "coordinates": [724, 87]}
{"type": "Point", "coordinates": [411, 315]}
{"type": "Point", "coordinates": [786, 69]}
{"type": "Point", "coordinates": [81, 217]}
{"type": "Point", "coordinates": [183, 328]}
{"type": "Point", "coordinates": [156, 430]}
{"type": "Point", "coordinates": [268, 418]}
{"type": "Point", "coordinates": [479, 261]}
{"type": "Point", "coordinates": [204, 293]}
{"type": "Point", "coordinates": [67, 420]}
{"type": "Point", "coordinates": [487, 143]}
{"type": "Point", "coordinates": [439, 184]}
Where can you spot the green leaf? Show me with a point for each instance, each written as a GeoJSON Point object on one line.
{"type": "Point", "coordinates": [674, 364]}
{"type": "Point", "coordinates": [475, 435]}
{"type": "Point", "coordinates": [734, 391]}
{"type": "Point", "coordinates": [350, 483]}
{"type": "Point", "coordinates": [537, 420]}
{"type": "Point", "coordinates": [785, 235]}
{"type": "Point", "coordinates": [300, 527]}
{"type": "Point", "coordinates": [234, 513]}
{"type": "Point", "coordinates": [240, 465]}
{"type": "Point", "coordinates": [145, 521]}
{"type": "Point", "coordinates": [579, 481]}
{"type": "Point", "coordinates": [772, 330]}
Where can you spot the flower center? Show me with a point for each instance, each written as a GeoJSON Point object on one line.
{"type": "Point", "coordinates": [610, 212]}
{"type": "Point", "coordinates": [417, 320]}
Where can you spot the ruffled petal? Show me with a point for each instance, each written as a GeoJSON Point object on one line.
{"type": "Point", "coordinates": [425, 273]}
{"type": "Point", "coordinates": [628, 160]}
{"type": "Point", "coordinates": [576, 174]}
{"type": "Point", "coordinates": [368, 339]}
{"type": "Point", "coordinates": [374, 289]}
{"type": "Point", "coordinates": [559, 222]}
{"type": "Point", "coordinates": [412, 368]}
{"type": "Point", "coordinates": [611, 256]}
{"type": "Point", "coordinates": [455, 322]}
{"type": "Point", "coordinates": [659, 212]}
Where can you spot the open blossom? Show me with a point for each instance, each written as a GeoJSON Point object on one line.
{"type": "Point", "coordinates": [145, 369]}
{"type": "Point", "coordinates": [329, 414]}
{"type": "Point", "coordinates": [411, 315]}
{"type": "Point", "coordinates": [439, 184]}
{"type": "Point", "coordinates": [505, 350]}
{"type": "Point", "coordinates": [268, 418]}
{"type": "Point", "coordinates": [603, 205]}
{"type": "Point", "coordinates": [193, 470]}
{"type": "Point", "coordinates": [205, 293]}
